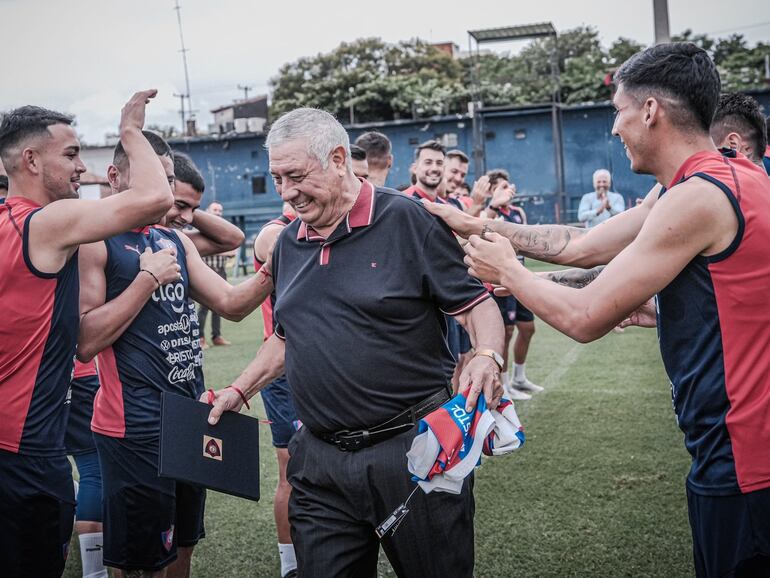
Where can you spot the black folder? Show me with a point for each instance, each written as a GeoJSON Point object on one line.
{"type": "Point", "coordinates": [223, 457]}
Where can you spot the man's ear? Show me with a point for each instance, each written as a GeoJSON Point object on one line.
{"type": "Point", "coordinates": [113, 177]}
{"type": "Point", "coordinates": [339, 159]}
{"type": "Point", "coordinates": [390, 161]}
{"type": "Point", "coordinates": [652, 111]}
{"type": "Point", "coordinates": [30, 160]}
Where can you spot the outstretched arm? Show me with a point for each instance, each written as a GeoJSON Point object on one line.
{"type": "Point", "coordinates": [672, 236]}
{"type": "Point", "coordinates": [559, 244]}
{"type": "Point", "coordinates": [233, 302]}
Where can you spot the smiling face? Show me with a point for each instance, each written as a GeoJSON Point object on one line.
{"type": "Point", "coordinates": [429, 169]}
{"type": "Point", "coordinates": [455, 172]}
{"type": "Point", "coordinates": [601, 183]}
{"type": "Point", "coordinates": [59, 162]}
{"type": "Point", "coordinates": [631, 127]}
{"type": "Point", "coordinates": [315, 193]}
{"type": "Point", "coordinates": [186, 201]}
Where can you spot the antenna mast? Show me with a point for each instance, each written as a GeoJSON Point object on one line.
{"type": "Point", "coordinates": [184, 51]}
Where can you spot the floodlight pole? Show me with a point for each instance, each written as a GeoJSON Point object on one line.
{"type": "Point", "coordinates": [511, 33]}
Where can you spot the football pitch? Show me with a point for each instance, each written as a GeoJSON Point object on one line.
{"type": "Point", "coordinates": [597, 490]}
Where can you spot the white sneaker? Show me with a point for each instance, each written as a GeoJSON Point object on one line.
{"type": "Point", "coordinates": [526, 385]}
{"type": "Point", "coordinates": [514, 394]}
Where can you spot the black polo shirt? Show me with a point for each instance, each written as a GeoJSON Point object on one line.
{"type": "Point", "coordinates": [362, 312]}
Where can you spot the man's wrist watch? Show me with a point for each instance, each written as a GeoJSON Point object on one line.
{"type": "Point", "coordinates": [491, 353]}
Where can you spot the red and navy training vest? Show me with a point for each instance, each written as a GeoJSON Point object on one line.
{"type": "Point", "coordinates": [38, 336]}
{"type": "Point", "coordinates": [714, 331]}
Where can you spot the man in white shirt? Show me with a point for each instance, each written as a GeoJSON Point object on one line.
{"type": "Point", "coordinates": [597, 207]}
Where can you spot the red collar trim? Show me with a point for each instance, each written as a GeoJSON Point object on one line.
{"type": "Point", "coordinates": [414, 190]}
{"type": "Point", "coordinates": [690, 165]}
{"type": "Point", "coordinates": [360, 215]}
{"type": "Point", "coordinates": [143, 230]}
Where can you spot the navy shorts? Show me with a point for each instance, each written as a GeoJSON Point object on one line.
{"type": "Point", "coordinates": [730, 534]}
{"type": "Point", "coordinates": [37, 509]}
{"type": "Point", "coordinates": [512, 311]}
{"type": "Point", "coordinates": [457, 338]}
{"type": "Point", "coordinates": [279, 407]}
{"type": "Point", "coordinates": [145, 517]}
{"type": "Point", "coordinates": [78, 439]}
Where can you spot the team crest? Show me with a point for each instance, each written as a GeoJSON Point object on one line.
{"type": "Point", "coordinates": [212, 448]}
{"type": "Point", "coordinates": [166, 244]}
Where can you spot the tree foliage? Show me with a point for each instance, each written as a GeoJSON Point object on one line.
{"type": "Point", "coordinates": [413, 79]}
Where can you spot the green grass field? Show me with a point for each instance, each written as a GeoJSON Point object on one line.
{"type": "Point", "coordinates": [598, 489]}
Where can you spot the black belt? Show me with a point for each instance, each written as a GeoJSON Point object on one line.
{"type": "Point", "coordinates": [350, 441]}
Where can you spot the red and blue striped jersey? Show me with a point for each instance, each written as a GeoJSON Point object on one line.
{"type": "Point", "coordinates": [38, 336]}
{"type": "Point", "coordinates": [714, 330]}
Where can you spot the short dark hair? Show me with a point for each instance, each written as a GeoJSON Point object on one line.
{"type": "Point", "coordinates": [185, 171]}
{"type": "Point", "coordinates": [3, 182]}
{"type": "Point", "coordinates": [158, 144]}
{"type": "Point", "coordinates": [678, 71]}
{"type": "Point", "coordinates": [458, 154]}
{"type": "Point", "coordinates": [24, 122]}
{"type": "Point", "coordinates": [738, 112]}
{"type": "Point", "coordinates": [432, 145]}
{"type": "Point", "coordinates": [377, 147]}
{"type": "Point", "coordinates": [357, 153]}
{"type": "Point", "coordinates": [497, 175]}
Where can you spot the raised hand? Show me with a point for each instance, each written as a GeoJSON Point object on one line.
{"type": "Point", "coordinates": [132, 114]}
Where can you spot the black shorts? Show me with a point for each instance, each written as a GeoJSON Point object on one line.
{"type": "Point", "coordinates": [512, 311]}
{"type": "Point", "coordinates": [78, 439]}
{"type": "Point", "coordinates": [279, 407]}
{"type": "Point", "coordinates": [730, 534]}
{"type": "Point", "coordinates": [37, 509]}
{"type": "Point", "coordinates": [145, 517]}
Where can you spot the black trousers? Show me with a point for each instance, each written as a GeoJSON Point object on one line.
{"type": "Point", "coordinates": [339, 498]}
{"type": "Point", "coordinates": [216, 320]}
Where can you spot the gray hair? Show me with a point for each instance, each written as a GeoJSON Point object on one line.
{"type": "Point", "coordinates": [322, 132]}
{"type": "Point", "coordinates": [600, 172]}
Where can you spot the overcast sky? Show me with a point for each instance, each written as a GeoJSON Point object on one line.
{"type": "Point", "coordinates": [86, 57]}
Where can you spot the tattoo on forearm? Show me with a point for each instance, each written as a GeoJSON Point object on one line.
{"type": "Point", "coordinates": [538, 241]}
{"type": "Point", "coordinates": [576, 278]}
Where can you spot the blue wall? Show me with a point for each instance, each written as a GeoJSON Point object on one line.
{"type": "Point", "coordinates": [517, 140]}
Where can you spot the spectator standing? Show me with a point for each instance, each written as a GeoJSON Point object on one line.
{"type": "Point", "coordinates": [600, 205]}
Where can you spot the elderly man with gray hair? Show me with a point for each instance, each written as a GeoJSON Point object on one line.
{"type": "Point", "coordinates": [363, 279]}
{"type": "Point", "coordinates": [597, 207]}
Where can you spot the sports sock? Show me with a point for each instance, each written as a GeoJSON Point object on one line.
{"type": "Point", "coordinates": [91, 555]}
{"type": "Point", "coordinates": [288, 559]}
{"type": "Point", "coordinates": [518, 372]}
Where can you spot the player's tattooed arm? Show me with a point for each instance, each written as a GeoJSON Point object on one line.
{"type": "Point", "coordinates": [542, 242]}
{"type": "Point", "coordinates": [576, 278]}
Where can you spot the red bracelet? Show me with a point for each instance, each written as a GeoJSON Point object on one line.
{"type": "Point", "coordinates": [243, 397]}
{"type": "Point", "coordinates": [210, 397]}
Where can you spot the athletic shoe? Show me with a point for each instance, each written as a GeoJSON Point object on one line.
{"type": "Point", "coordinates": [525, 385]}
{"type": "Point", "coordinates": [219, 340]}
{"type": "Point", "coordinates": [514, 394]}
{"type": "Point", "coordinates": [291, 574]}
